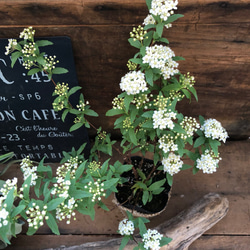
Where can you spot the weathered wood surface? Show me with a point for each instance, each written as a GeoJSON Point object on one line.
{"type": "Point", "coordinates": [213, 36]}
{"type": "Point", "coordinates": [231, 180]}
{"type": "Point", "coordinates": [186, 227]}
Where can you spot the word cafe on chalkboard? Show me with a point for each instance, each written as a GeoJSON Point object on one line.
{"type": "Point", "coordinates": [28, 124]}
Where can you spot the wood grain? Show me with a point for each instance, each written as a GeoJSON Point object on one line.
{"type": "Point", "coordinates": [211, 36]}
{"type": "Point", "coordinates": [184, 228]}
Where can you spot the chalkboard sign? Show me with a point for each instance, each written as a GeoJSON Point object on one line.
{"type": "Point", "coordinates": [28, 124]}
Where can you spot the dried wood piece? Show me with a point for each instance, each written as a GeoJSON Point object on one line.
{"type": "Point", "coordinates": [184, 228]}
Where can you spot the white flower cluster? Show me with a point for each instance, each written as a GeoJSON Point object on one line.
{"type": "Point", "coordinates": [163, 119]}
{"type": "Point", "coordinates": [28, 169]}
{"type": "Point", "coordinates": [208, 162]}
{"type": "Point", "coordinates": [163, 8]}
{"type": "Point", "coordinates": [11, 46]}
{"type": "Point", "coordinates": [81, 105]}
{"type": "Point", "coordinates": [66, 211]}
{"type": "Point", "coordinates": [27, 33]}
{"type": "Point", "coordinates": [167, 144]}
{"type": "Point", "coordinates": [36, 216]}
{"type": "Point", "coordinates": [213, 129]}
{"type": "Point", "coordinates": [50, 62]}
{"type": "Point", "coordinates": [61, 187]}
{"type": "Point", "coordinates": [152, 239]}
{"type": "Point", "coordinates": [7, 186]}
{"type": "Point", "coordinates": [133, 83]}
{"type": "Point", "coordinates": [29, 49]}
{"type": "Point", "coordinates": [190, 125]}
{"type": "Point", "coordinates": [172, 164]}
{"type": "Point", "coordinates": [160, 57]}
{"type": "Point", "coordinates": [150, 20]}
{"type": "Point", "coordinates": [3, 217]}
{"type": "Point", "coordinates": [126, 227]}
{"type": "Point", "coordinates": [96, 188]}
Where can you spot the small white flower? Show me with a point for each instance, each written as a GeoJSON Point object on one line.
{"type": "Point", "coordinates": [213, 129]}
{"type": "Point", "coordinates": [152, 239]}
{"type": "Point", "coordinates": [172, 164]}
{"type": "Point", "coordinates": [126, 227]}
{"type": "Point", "coordinates": [3, 213]}
{"type": "Point", "coordinates": [163, 119]}
{"type": "Point", "coordinates": [167, 144]}
{"type": "Point", "coordinates": [133, 83]}
{"type": "Point", "coordinates": [163, 8]}
{"type": "Point", "coordinates": [208, 162]}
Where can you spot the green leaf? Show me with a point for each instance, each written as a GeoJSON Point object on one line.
{"type": "Point", "coordinates": [176, 86]}
{"type": "Point", "coordinates": [164, 241]}
{"type": "Point", "coordinates": [124, 242]}
{"type": "Point", "coordinates": [170, 179]}
{"type": "Point", "coordinates": [64, 114]}
{"type": "Point", "coordinates": [178, 128]}
{"type": "Point", "coordinates": [148, 37]}
{"type": "Point", "coordinates": [17, 210]}
{"type": "Point", "coordinates": [148, 124]}
{"type": "Point", "coordinates": [141, 174]}
{"type": "Point", "coordinates": [142, 226]}
{"type": "Point", "coordinates": [134, 43]}
{"type": "Point", "coordinates": [14, 57]}
{"type": "Point", "coordinates": [109, 183]}
{"type": "Point", "coordinates": [156, 185]}
{"type": "Point", "coordinates": [113, 112]}
{"type": "Point", "coordinates": [79, 194]}
{"type": "Point", "coordinates": [136, 60]}
{"type": "Point", "coordinates": [9, 199]}
{"type": "Point", "coordinates": [164, 40]}
{"type": "Point", "coordinates": [73, 90]}
{"type": "Point", "coordinates": [53, 204]}
{"type": "Point", "coordinates": [103, 206]}
{"type": "Point", "coordinates": [132, 136]}
{"type": "Point", "coordinates": [40, 59]}
{"type": "Point", "coordinates": [26, 188]}
{"type": "Point", "coordinates": [173, 18]}
{"type": "Point", "coordinates": [148, 2]}
{"type": "Point", "coordinates": [80, 170]}
{"type": "Point", "coordinates": [199, 141]}
{"type": "Point", "coordinates": [33, 71]}
{"type": "Point", "coordinates": [201, 119]}
{"type": "Point", "coordinates": [178, 58]}
{"type": "Point", "coordinates": [193, 91]}
{"type": "Point", "coordinates": [42, 43]}
{"type": "Point", "coordinates": [51, 222]}
{"type": "Point", "coordinates": [149, 26]}
{"type": "Point", "coordinates": [159, 29]}
{"type": "Point", "coordinates": [59, 70]}
{"type": "Point", "coordinates": [127, 101]}
{"type": "Point", "coordinates": [214, 144]}
{"type": "Point", "coordinates": [90, 112]}
{"type": "Point", "coordinates": [75, 126]}
{"type": "Point", "coordinates": [186, 93]}
{"type": "Point", "coordinates": [145, 197]}
{"type": "Point", "coordinates": [149, 76]}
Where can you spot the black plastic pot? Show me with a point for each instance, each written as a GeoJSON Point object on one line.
{"type": "Point", "coordinates": [124, 198]}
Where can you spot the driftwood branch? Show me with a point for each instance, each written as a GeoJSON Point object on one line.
{"type": "Point", "coordinates": [184, 228]}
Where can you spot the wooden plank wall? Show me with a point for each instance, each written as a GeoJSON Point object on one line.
{"type": "Point", "coordinates": [214, 38]}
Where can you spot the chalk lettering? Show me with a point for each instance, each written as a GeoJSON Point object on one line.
{"type": "Point", "coordinates": [7, 115]}
{"type": "Point", "coordinates": [60, 134]}
{"type": "Point", "coordinates": [35, 115]}
{"type": "Point", "coordinates": [2, 77]}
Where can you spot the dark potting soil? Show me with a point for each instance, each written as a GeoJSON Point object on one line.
{"type": "Point", "coordinates": [125, 196]}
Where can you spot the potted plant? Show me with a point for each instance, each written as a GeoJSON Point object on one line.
{"type": "Point", "coordinates": [147, 118]}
